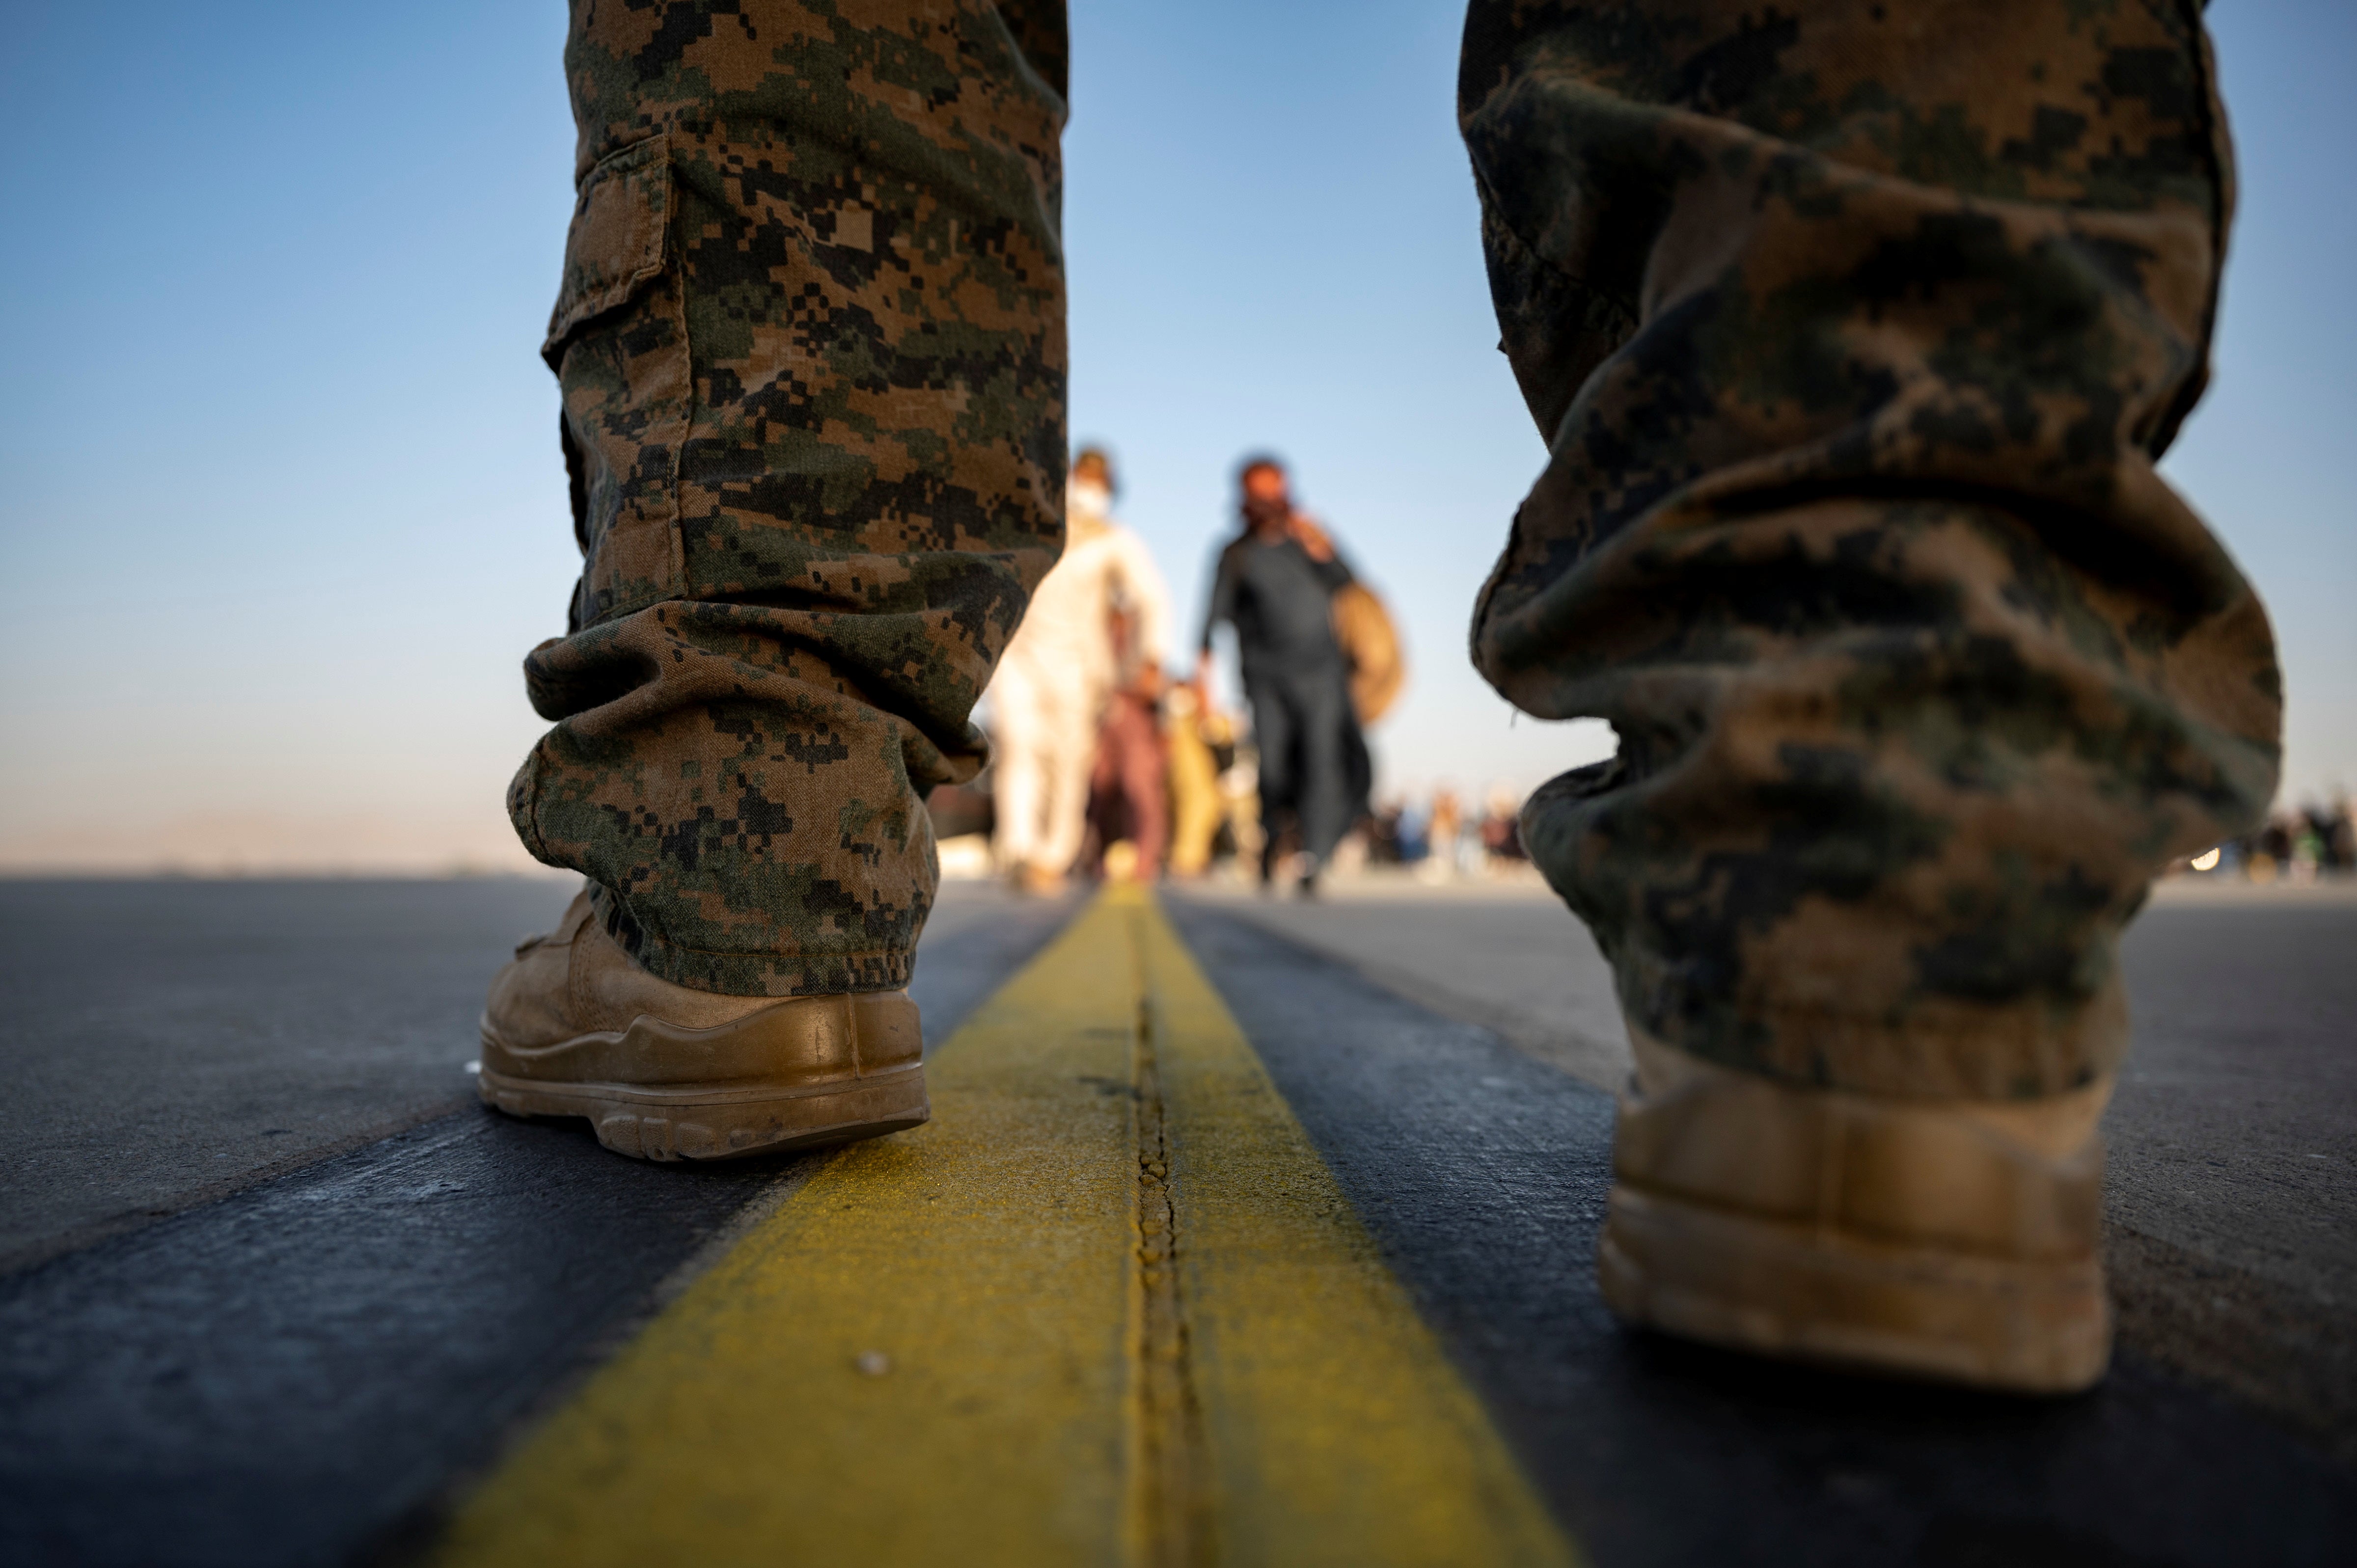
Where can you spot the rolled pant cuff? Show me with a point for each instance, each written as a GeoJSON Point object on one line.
{"type": "Point", "coordinates": [1938, 1048]}
{"type": "Point", "coordinates": [828, 973]}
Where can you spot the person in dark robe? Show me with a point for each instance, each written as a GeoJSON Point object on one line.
{"type": "Point", "coordinates": [1275, 584]}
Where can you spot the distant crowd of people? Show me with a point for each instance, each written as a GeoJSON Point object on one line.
{"type": "Point", "coordinates": [1441, 837]}
{"type": "Point", "coordinates": [1106, 765]}
{"type": "Point", "coordinates": [2297, 846]}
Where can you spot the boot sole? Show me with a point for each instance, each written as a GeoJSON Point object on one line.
{"type": "Point", "coordinates": [717, 1122]}
{"type": "Point", "coordinates": [1835, 1299]}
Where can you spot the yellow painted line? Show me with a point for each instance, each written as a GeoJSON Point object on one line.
{"type": "Point", "coordinates": [986, 1256]}
{"type": "Point", "coordinates": [1109, 1307]}
{"type": "Point", "coordinates": [1338, 1429]}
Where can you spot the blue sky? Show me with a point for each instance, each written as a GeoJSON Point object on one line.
{"type": "Point", "coordinates": [283, 502]}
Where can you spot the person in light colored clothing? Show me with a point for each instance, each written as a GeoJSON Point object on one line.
{"type": "Point", "coordinates": [1061, 669]}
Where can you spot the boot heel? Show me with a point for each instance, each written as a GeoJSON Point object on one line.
{"type": "Point", "coordinates": [1814, 1293]}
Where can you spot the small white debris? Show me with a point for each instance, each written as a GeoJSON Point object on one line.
{"type": "Point", "coordinates": [475, 1068]}
{"type": "Point", "coordinates": [872, 1363]}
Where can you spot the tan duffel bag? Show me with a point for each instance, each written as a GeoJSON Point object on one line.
{"type": "Point", "coordinates": [1371, 642]}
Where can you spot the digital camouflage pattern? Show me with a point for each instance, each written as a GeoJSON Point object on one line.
{"type": "Point", "coordinates": [1854, 330]}
{"type": "Point", "coordinates": [810, 339]}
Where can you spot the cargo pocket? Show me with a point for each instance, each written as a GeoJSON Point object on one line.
{"type": "Point", "coordinates": [618, 342]}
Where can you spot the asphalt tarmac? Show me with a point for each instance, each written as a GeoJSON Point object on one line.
{"type": "Point", "coordinates": [1483, 1173]}
{"type": "Point", "coordinates": [284, 1284]}
{"type": "Point", "coordinates": [272, 1290]}
{"type": "Point", "coordinates": [2232, 1186]}
{"type": "Point", "coordinates": [173, 1042]}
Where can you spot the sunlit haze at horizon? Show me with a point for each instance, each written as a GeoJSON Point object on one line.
{"type": "Point", "coordinates": [284, 502]}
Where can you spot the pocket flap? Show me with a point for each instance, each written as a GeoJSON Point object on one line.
{"type": "Point", "coordinates": [616, 243]}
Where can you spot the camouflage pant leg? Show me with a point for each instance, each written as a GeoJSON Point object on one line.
{"type": "Point", "coordinates": [1855, 329]}
{"type": "Point", "coordinates": [811, 346]}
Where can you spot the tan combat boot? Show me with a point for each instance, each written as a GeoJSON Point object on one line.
{"type": "Point", "coordinates": [1946, 1240]}
{"type": "Point", "coordinates": [663, 1072]}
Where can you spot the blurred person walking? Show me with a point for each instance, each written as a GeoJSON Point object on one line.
{"type": "Point", "coordinates": [1194, 734]}
{"type": "Point", "coordinates": [1099, 624]}
{"type": "Point", "coordinates": [1275, 583]}
{"type": "Point", "coordinates": [1445, 827]}
{"type": "Point", "coordinates": [1853, 333]}
{"type": "Point", "coordinates": [1129, 787]}
{"type": "Point", "coordinates": [1501, 831]}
